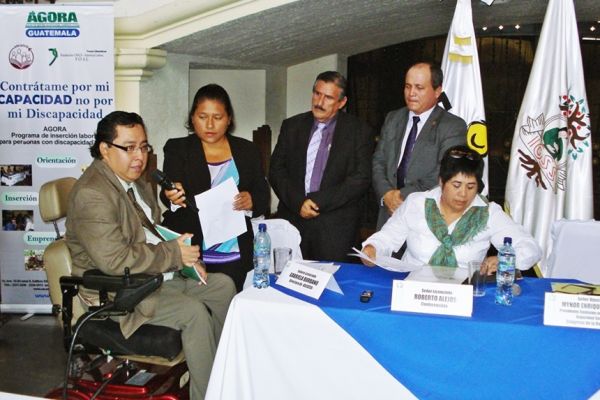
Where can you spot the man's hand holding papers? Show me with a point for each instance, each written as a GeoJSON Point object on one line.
{"type": "Point", "coordinates": [193, 267]}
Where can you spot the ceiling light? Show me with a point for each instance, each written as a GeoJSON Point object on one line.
{"type": "Point", "coordinates": [501, 27]}
{"type": "Point", "coordinates": [484, 28]}
{"type": "Point", "coordinates": [592, 28]}
{"type": "Point", "coordinates": [517, 26]}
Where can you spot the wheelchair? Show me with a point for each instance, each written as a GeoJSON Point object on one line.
{"type": "Point", "coordinates": [103, 364]}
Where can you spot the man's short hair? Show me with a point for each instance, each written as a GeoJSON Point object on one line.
{"type": "Point", "coordinates": [107, 128]}
{"type": "Point", "coordinates": [333, 76]}
{"type": "Point", "coordinates": [437, 75]}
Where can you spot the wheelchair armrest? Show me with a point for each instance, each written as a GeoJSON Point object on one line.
{"type": "Point", "coordinates": [130, 289]}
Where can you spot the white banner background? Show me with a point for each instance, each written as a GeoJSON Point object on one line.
{"type": "Point", "coordinates": [57, 82]}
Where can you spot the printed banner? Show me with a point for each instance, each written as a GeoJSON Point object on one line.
{"type": "Point", "coordinates": [57, 82]}
{"type": "Point", "coordinates": [550, 171]}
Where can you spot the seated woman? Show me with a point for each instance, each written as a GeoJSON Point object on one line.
{"type": "Point", "coordinates": [205, 159]}
{"type": "Point", "coordinates": [452, 224]}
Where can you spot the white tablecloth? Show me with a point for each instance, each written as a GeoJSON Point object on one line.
{"type": "Point", "coordinates": [274, 346]}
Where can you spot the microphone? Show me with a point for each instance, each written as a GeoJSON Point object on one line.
{"type": "Point", "coordinates": [163, 180]}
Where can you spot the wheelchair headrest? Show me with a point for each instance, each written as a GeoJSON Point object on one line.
{"type": "Point", "coordinates": [54, 197]}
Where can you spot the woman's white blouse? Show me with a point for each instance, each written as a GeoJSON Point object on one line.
{"type": "Point", "coordinates": [408, 224]}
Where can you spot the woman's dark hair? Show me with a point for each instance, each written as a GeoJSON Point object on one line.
{"type": "Point", "coordinates": [107, 128]}
{"type": "Point", "coordinates": [212, 91]}
{"type": "Point", "coordinates": [462, 160]}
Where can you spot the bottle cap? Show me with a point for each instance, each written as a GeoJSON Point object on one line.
{"type": "Point", "coordinates": [262, 227]}
{"type": "Point", "coordinates": [507, 240]}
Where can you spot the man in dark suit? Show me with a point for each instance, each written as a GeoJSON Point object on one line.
{"type": "Point", "coordinates": [320, 168]}
{"type": "Point", "coordinates": [422, 127]}
{"type": "Point", "coordinates": [107, 230]}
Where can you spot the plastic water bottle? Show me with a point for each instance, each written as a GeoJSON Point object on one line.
{"type": "Point", "coordinates": [262, 257]}
{"type": "Point", "coordinates": [505, 276]}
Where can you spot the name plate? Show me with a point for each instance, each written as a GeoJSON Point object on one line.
{"type": "Point", "coordinates": [572, 310]}
{"type": "Point", "coordinates": [432, 298]}
{"type": "Point", "coordinates": [307, 280]}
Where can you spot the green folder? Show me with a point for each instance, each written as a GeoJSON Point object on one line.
{"type": "Point", "coordinates": [167, 234]}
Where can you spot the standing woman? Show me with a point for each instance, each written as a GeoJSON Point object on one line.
{"type": "Point", "coordinates": [204, 159]}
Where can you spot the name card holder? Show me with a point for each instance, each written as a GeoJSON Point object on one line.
{"type": "Point", "coordinates": [307, 280]}
{"type": "Point", "coordinates": [432, 298]}
{"type": "Point", "coordinates": [572, 310]}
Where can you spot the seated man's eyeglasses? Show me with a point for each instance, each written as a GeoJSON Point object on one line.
{"type": "Point", "coordinates": [144, 148]}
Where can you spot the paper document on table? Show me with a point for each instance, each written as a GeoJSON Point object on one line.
{"type": "Point", "coordinates": [219, 221]}
{"type": "Point", "coordinates": [427, 273]}
{"type": "Point", "coordinates": [386, 262]}
{"type": "Point", "coordinates": [576, 288]}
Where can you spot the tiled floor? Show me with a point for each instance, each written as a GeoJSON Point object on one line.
{"type": "Point", "coordinates": [32, 357]}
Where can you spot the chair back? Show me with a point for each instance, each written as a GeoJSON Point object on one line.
{"type": "Point", "coordinates": [282, 234]}
{"type": "Point", "coordinates": [574, 253]}
{"type": "Point", "coordinates": [53, 202]}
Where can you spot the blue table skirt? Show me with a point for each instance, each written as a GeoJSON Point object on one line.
{"type": "Point", "coordinates": [500, 352]}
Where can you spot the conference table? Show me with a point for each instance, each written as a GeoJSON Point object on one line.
{"type": "Point", "coordinates": [277, 344]}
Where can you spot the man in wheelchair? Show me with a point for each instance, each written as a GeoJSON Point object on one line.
{"type": "Point", "coordinates": [110, 227]}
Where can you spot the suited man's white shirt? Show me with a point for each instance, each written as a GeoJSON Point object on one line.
{"type": "Point", "coordinates": [150, 237]}
{"type": "Point", "coordinates": [423, 117]}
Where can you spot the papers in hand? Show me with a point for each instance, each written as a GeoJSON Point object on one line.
{"type": "Point", "coordinates": [385, 262]}
{"type": "Point", "coordinates": [168, 234]}
{"type": "Point", "coordinates": [219, 221]}
{"type": "Point", "coordinates": [188, 271]}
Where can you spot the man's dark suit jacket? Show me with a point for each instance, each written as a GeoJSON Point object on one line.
{"type": "Point", "coordinates": [346, 179]}
{"type": "Point", "coordinates": [441, 131]}
{"type": "Point", "coordinates": [185, 162]}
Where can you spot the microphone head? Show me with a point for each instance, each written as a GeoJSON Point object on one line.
{"type": "Point", "coordinates": [161, 178]}
{"type": "Point", "coordinates": [158, 176]}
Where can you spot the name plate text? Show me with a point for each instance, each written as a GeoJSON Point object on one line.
{"type": "Point", "coordinates": [572, 310]}
{"type": "Point", "coordinates": [432, 298]}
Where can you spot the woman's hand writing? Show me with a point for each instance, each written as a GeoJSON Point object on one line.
{"type": "Point", "coordinates": [370, 251]}
{"type": "Point", "coordinates": [491, 264]}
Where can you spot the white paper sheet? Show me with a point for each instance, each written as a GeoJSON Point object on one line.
{"type": "Point", "coordinates": [385, 262]}
{"type": "Point", "coordinates": [219, 221]}
{"type": "Point", "coordinates": [438, 274]}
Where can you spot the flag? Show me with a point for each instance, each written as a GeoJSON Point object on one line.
{"type": "Point", "coordinates": [462, 80]}
{"type": "Point", "coordinates": [550, 171]}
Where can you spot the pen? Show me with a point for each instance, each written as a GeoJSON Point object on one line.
{"type": "Point", "coordinates": [200, 278]}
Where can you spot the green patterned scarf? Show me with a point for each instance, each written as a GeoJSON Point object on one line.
{"type": "Point", "coordinates": [470, 224]}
